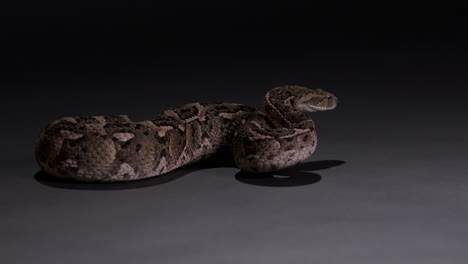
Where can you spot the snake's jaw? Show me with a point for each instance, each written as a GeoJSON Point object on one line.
{"type": "Point", "coordinates": [317, 100]}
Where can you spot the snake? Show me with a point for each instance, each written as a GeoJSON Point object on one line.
{"type": "Point", "coordinates": [114, 148]}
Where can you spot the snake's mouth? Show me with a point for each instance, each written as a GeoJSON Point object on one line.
{"type": "Point", "coordinates": [324, 103]}
{"type": "Point", "coordinates": [324, 108]}
{"type": "Point", "coordinates": [315, 108]}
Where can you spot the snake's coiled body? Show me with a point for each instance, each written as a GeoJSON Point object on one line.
{"type": "Point", "coordinates": [114, 148]}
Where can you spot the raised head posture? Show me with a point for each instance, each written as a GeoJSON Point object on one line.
{"type": "Point", "coordinates": [115, 148]}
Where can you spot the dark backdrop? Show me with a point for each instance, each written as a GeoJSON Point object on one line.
{"type": "Point", "coordinates": [387, 184]}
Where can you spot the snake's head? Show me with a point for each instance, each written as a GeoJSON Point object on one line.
{"type": "Point", "coordinates": [313, 100]}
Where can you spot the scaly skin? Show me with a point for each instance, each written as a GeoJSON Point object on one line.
{"type": "Point", "coordinates": [114, 148]}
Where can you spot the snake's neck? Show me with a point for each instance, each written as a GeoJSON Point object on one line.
{"type": "Point", "coordinates": [283, 113]}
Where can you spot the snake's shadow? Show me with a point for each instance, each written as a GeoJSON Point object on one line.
{"type": "Point", "coordinates": [294, 176]}
{"type": "Point", "coordinates": [297, 175]}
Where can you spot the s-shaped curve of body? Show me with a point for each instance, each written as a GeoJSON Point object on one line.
{"type": "Point", "coordinates": [115, 148]}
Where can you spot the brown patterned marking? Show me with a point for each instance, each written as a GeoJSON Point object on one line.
{"type": "Point", "coordinates": [272, 107]}
{"type": "Point", "coordinates": [205, 134]}
{"type": "Point", "coordinates": [119, 119]}
{"type": "Point", "coordinates": [70, 135]}
{"type": "Point", "coordinates": [256, 134]}
{"type": "Point", "coordinates": [96, 129]}
{"type": "Point", "coordinates": [163, 130]}
{"type": "Point", "coordinates": [147, 124]}
{"type": "Point", "coordinates": [163, 152]}
{"type": "Point", "coordinates": [100, 119]}
{"type": "Point", "coordinates": [86, 120]}
{"type": "Point", "coordinates": [126, 144]}
{"type": "Point", "coordinates": [172, 114]}
{"type": "Point", "coordinates": [126, 170]}
{"type": "Point", "coordinates": [289, 147]}
{"type": "Point", "coordinates": [201, 112]}
{"type": "Point", "coordinates": [177, 144]}
{"type": "Point", "coordinates": [288, 101]}
{"type": "Point", "coordinates": [221, 108]}
{"type": "Point", "coordinates": [64, 120]}
{"type": "Point", "coordinates": [162, 166]}
{"type": "Point", "coordinates": [188, 112]}
{"type": "Point", "coordinates": [231, 115]}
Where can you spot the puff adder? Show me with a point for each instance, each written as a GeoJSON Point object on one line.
{"type": "Point", "coordinates": [115, 148]}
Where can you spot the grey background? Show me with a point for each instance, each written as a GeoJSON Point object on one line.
{"type": "Point", "coordinates": [387, 184]}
